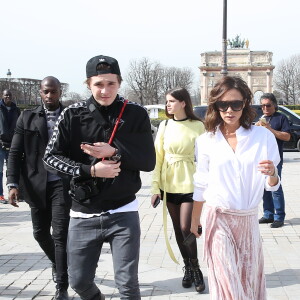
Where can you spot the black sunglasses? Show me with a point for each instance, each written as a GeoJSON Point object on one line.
{"type": "Point", "coordinates": [236, 105]}
{"type": "Point", "coordinates": [266, 105]}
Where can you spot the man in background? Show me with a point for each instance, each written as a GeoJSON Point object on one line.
{"type": "Point", "coordinates": [278, 124]}
{"type": "Point", "coordinates": [9, 114]}
{"type": "Point", "coordinates": [43, 191]}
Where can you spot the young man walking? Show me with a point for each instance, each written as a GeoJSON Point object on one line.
{"type": "Point", "coordinates": [102, 144]}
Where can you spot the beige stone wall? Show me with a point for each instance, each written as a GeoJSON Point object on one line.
{"type": "Point", "coordinates": [255, 67]}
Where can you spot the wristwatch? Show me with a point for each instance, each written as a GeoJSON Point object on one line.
{"type": "Point", "coordinates": [116, 157]}
{"type": "Point", "coordinates": [275, 173]}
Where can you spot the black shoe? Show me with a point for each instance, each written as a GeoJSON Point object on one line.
{"type": "Point", "coordinates": [263, 220]}
{"type": "Point", "coordinates": [277, 224]}
{"type": "Point", "coordinates": [197, 276]}
{"type": "Point", "coordinates": [187, 280]}
{"type": "Point", "coordinates": [61, 294]}
{"type": "Point", "coordinates": [54, 273]}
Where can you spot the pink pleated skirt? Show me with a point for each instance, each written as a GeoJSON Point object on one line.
{"type": "Point", "coordinates": [233, 252]}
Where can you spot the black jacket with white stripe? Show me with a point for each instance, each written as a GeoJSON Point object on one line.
{"type": "Point", "coordinates": [133, 138]}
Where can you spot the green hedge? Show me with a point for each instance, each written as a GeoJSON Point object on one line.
{"type": "Point", "coordinates": [161, 117]}
{"type": "Point", "coordinates": [293, 107]}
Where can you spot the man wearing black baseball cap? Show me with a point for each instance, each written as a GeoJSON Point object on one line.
{"type": "Point", "coordinates": [102, 144]}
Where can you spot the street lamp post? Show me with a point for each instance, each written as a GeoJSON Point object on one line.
{"type": "Point", "coordinates": [224, 71]}
{"type": "Point", "coordinates": [8, 74]}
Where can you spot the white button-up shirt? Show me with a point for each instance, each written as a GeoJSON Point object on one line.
{"type": "Point", "coordinates": [231, 179]}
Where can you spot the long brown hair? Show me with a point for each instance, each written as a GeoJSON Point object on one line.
{"type": "Point", "coordinates": [213, 117]}
{"type": "Point", "coordinates": [182, 95]}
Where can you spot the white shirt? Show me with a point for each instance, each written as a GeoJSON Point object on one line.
{"type": "Point", "coordinates": [231, 179]}
{"type": "Point", "coordinates": [131, 206]}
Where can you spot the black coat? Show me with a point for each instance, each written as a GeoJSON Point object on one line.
{"type": "Point", "coordinates": [25, 157]}
{"type": "Point", "coordinates": [78, 123]}
{"type": "Point", "coordinates": [8, 121]}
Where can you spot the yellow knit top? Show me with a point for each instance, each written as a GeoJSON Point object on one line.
{"type": "Point", "coordinates": [175, 158]}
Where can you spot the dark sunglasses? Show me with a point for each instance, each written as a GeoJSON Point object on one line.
{"type": "Point", "coordinates": [236, 105]}
{"type": "Point", "coordinates": [266, 105]}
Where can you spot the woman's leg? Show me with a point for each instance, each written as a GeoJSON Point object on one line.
{"type": "Point", "coordinates": [181, 218]}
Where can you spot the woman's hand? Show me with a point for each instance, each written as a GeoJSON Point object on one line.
{"type": "Point", "coordinates": [196, 214]}
{"type": "Point", "coordinates": [266, 167]}
{"type": "Point", "coordinates": [153, 198]}
{"type": "Point", "coordinates": [194, 229]}
{"type": "Point", "coordinates": [98, 150]}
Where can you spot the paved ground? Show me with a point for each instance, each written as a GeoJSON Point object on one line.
{"type": "Point", "coordinates": [25, 271]}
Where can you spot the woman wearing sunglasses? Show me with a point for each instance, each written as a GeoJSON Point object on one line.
{"type": "Point", "coordinates": [236, 161]}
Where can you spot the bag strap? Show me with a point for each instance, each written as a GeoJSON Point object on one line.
{"type": "Point", "coordinates": [116, 124]}
{"type": "Point", "coordinates": [165, 213]}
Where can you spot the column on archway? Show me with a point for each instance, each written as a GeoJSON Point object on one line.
{"type": "Point", "coordinates": [249, 79]}
{"type": "Point", "coordinates": [204, 91]}
{"type": "Point", "coordinates": [268, 74]}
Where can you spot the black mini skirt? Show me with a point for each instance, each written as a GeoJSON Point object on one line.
{"type": "Point", "coordinates": [177, 198]}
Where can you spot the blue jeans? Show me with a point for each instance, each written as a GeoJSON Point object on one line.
{"type": "Point", "coordinates": [273, 202]}
{"type": "Point", "coordinates": [85, 240]}
{"type": "Point", "coordinates": [3, 157]}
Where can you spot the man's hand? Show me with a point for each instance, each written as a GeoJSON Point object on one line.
{"type": "Point", "coordinates": [263, 124]}
{"type": "Point", "coordinates": [107, 169]}
{"type": "Point", "coordinates": [98, 150]}
{"type": "Point", "coordinates": [13, 197]}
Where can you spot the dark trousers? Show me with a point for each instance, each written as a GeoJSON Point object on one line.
{"type": "Point", "coordinates": [55, 215]}
{"type": "Point", "coordinates": [3, 158]}
{"type": "Point", "coordinates": [273, 202]}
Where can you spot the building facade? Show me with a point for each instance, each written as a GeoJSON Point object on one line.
{"type": "Point", "coordinates": [255, 67]}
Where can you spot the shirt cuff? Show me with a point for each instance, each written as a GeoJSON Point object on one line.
{"type": "Point", "coordinates": [12, 185]}
{"type": "Point", "coordinates": [272, 188]}
{"type": "Point", "coordinates": [198, 195]}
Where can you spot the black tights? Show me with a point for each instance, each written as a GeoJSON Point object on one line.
{"type": "Point", "coordinates": [181, 216]}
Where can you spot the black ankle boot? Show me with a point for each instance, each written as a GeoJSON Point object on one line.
{"type": "Point", "coordinates": [187, 280]}
{"type": "Point", "coordinates": [197, 276]}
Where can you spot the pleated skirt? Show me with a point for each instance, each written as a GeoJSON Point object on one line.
{"type": "Point", "coordinates": [233, 252]}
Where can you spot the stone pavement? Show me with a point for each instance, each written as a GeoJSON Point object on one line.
{"type": "Point", "coordinates": [25, 272]}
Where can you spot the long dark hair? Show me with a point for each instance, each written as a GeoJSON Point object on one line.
{"type": "Point", "coordinates": [182, 95]}
{"type": "Point", "coordinates": [213, 117]}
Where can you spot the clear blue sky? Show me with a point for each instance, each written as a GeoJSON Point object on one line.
{"type": "Point", "coordinates": [41, 38]}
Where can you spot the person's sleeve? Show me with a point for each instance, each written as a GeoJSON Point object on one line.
{"type": "Point", "coordinates": [273, 155]}
{"type": "Point", "coordinates": [16, 153]}
{"type": "Point", "coordinates": [160, 153]}
{"type": "Point", "coordinates": [137, 147]}
{"type": "Point", "coordinates": [202, 169]}
{"type": "Point", "coordinates": [285, 126]}
{"type": "Point", "coordinates": [56, 159]}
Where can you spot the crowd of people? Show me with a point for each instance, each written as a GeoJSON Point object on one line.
{"type": "Point", "coordinates": [79, 169]}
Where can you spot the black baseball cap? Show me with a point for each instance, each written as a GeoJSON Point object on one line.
{"type": "Point", "coordinates": [91, 66]}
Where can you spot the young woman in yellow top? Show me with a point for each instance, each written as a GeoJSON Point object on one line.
{"type": "Point", "coordinates": [173, 175]}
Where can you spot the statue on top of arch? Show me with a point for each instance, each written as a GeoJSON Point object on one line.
{"type": "Point", "coordinates": [237, 42]}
